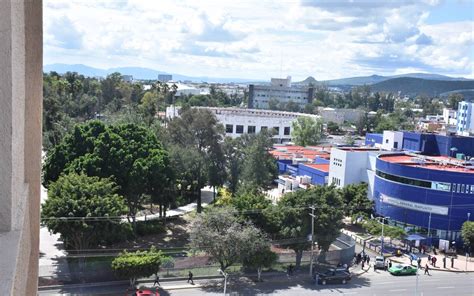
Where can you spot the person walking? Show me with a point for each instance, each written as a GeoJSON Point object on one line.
{"type": "Point", "coordinates": [190, 278]}
{"type": "Point", "coordinates": [368, 260]}
{"type": "Point", "coordinates": [434, 261]}
{"type": "Point", "coordinates": [419, 263]}
{"type": "Point", "coordinates": [452, 262]}
{"type": "Point", "coordinates": [157, 280]}
{"type": "Point", "coordinates": [427, 269]}
{"type": "Point", "coordinates": [363, 264]}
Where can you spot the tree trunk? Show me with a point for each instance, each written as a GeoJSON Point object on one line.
{"type": "Point", "coordinates": [214, 193]}
{"type": "Point", "coordinates": [199, 204]}
{"type": "Point", "coordinates": [161, 210]}
{"type": "Point", "coordinates": [299, 256]}
{"type": "Point", "coordinates": [132, 282]}
{"type": "Point", "coordinates": [259, 274]}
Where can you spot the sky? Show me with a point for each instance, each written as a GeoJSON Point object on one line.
{"type": "Point", "coordinates": [326, 39]}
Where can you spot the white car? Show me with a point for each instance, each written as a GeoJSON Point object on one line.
{"type": "Point", "coordinates": [379, 263]}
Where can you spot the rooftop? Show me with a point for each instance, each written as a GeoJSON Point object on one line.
{"type": "Point", "coordinates": [324, 167]}
{"type": "Point", "coordinates": [294, 151]}
{"type": "Point", "coordinates": [441, 163]}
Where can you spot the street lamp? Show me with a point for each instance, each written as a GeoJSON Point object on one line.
{"type": "Point", "coordinates": [225, 275]}
{"type": "Point", "coordinates": [383, 223]}
{"type": "Point", "coordinates": [312, 240]}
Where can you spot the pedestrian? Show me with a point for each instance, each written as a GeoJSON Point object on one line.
{"type": "Point", "coordinates": [429, 257]}
{"type": "Point", "coordinates": [291, 269]}
{"type": "Point", "coordinates": [452, 262]}
{"type": "Point", "coordinates": [157, 280]}
{"type": "Point", "coordinates": [434, 261]}
{"type": "Point", "coordinates": [346, 267]}
{"type": "Point", "coordinates": [444, 262]}
{"type": "Point", "coordinates": [427, 269]}
{"type": "Point", "coordinates": [368, 259]}
{"type": "Point", "coordinates": [363, 264]}
{"type": "Point", "coordinates": [419, 263]}
{"type": "Point", "coordinates": [190, 278]}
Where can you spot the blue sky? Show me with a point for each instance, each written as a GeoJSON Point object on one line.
{"type": "Point", "coordinates": [261, 39]}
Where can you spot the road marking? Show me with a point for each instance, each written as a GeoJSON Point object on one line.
{"type": "Point", "coordinates": [451, 287]}
{"type": "Point", "coordinates": [398, 290]}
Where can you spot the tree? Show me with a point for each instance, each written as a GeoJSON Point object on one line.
{"type": "Point", "coordinates": [306, 131]}
{"type": "Point", "coordinates": [93, 199]}
{"type": "Point", "coordinates": [356, 202]}
{"type": "Point", "coordinates": [262, 256]}
{"type": "Point", "coordinates": [198, 130]}
{"type": "Point", "coordinates": [219, 233]}
{"type": "Point", "coordinates": [454, 99]}
{"type": "Point", "coordinates": [259, 168]}
{"type": "Point", "coordinates": [134, 265]}
{"type": "Point", "coordinates": [289, 220]}
{"type": "Point", "coordinates": [332, 128]}
{"type": "Point", "coordinates": [467, 234]}
{"type": "Point", "coordinates": [128, 153]}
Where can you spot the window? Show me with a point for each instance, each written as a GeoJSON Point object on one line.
{"type": "Point", "coordinates": [229, 128]}
{"type": "Point", "coordinates": [395, 145]}
{"type": "Point", "coordinates": [263, 128]}
{"type": "Point", "coordinates": [386, 141]}
{"type": "Point", "coordinates": [276, 130]}
{"type": "Point", "coordinates": [251, 129]}
{"type": "Point", "coordinates": [414, 182]}
{"type": "Point", "coordinates": [239, 129]}
{"type": "Point", "coordinates": [286, 131]}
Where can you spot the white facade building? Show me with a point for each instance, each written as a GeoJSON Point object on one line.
{"type": "Point", "coordinates": [392, 140]}
{"type": "Point", "coordinates": [339, 116]}
{"type": "Point", "coordinates": [184, 89]}
{"type": "Point", "coordinates": [449, 116]}
{"type": "Point", "coordinates": [465, 119]}
{"type": "Point", "coordinates": [250, 121]}
{"type": "Point", "coordinates": [280, 91]}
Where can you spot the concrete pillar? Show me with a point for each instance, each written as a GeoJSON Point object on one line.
{"type": "Point", "coordinates": [20, 144]}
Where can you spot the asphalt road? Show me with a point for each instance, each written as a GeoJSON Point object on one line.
{"type": "Point", "coordinates": [371, 283]}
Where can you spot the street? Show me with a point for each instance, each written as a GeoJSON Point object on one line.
{"type": "Point", "coordinates": [370, 283]}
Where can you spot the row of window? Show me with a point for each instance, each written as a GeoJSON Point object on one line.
{"type": "Point", "coordinates": [251, 129]}
{"type": "Point", "coordinates": [441, 186]}
{"type": "Point", "coordinates": [337, 162]}
{"type": "Point", "coordinates": [336, 181]}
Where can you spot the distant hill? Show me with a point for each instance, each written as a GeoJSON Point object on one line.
{"type": "Point", "coordinates": [307, 81]}
{"type": "Point", "coordinates": [415, 86]}
{"type": "Point", "coordinates": [361, 80]}
{"type": "Point", "coordinates": [137, 73]}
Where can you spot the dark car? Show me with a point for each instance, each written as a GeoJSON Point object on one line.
{"type": "Point", "coordinates": [334, 276]}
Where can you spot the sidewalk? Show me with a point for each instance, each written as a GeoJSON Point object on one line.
{"type": "Point", "coordinates": [459, 262]}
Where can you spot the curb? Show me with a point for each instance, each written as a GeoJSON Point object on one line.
{"type": "Point", "coordinates": [125, 282]}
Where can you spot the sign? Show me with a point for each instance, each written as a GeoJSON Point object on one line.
{"type": "Point", "coordinates": [414, 205]}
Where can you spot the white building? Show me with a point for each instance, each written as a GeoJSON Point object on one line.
{"type": "Point", "coordinates": [281, 91]}
{"type": "Point", "coordinates": [392, 141]}
{"type": "Point", "coordinates": [465, 119]}
{"type": "Point", "coordinates": [449, 116]}
{"type": "Point", "coordinates": [250, 121]}
{"type": "Point", "coordinates": [340, 116]}
{"type": "Point", "coordinates": [352, 165]}
{"type": "Point", "coordinates": [184, 89]}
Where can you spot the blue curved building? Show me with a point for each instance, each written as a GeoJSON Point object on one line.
{"type": "Point", "coordinates": [424, 192]}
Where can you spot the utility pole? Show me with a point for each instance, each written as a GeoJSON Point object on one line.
{"type": "Point", "coordinates": [312, 241]}
{"type": "Point", "coordinates": [429, 230]}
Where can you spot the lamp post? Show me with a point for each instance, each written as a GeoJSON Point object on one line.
{"type": "Point", "coordinates": [429, 230]}
{"type": "Point", "coordinates": [312, 241]}
{"type": "Point", "coordinates": [467, 253]}
{"type": "Point", "coordinates": [225, 275]}
{"type": "Point", "coordinates": [383, 223]}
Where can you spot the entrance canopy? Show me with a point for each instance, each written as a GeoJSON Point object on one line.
{"type": "Point", "coordinates": [415, 237]}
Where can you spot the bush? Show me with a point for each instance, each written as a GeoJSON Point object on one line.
{"type": "Point", "coordinates": [150, 227]}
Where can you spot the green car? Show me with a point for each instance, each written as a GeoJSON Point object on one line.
{"type": "Point", "coordinates": [400, 269]}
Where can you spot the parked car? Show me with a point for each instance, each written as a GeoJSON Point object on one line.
{"type": "Point", "coordinates": [380, 263]}
{"type": "Point", "coordinates": [405, 269]}
{"type": "Point", "coordinates": [334, 276]}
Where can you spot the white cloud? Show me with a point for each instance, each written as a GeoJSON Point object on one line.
{"type": "Point", "coordinates": [255, 39]}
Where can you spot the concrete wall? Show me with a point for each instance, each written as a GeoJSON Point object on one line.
{"type": "Point", "coordinates": [20, 149]}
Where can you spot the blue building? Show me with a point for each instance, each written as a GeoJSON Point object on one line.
{"type": "Point", "coordinates": [435, 193]}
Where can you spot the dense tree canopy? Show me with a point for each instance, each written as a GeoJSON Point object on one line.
{"type": "Point", "coordinates": [306, 131]}
{"type": "Point", "coordinates": [73, 197]}
{"type": "Point", "coordinates": [220, 233]}
{"type": "Point", "coordinates": [290, 218]}
{"type": "Point", "coordinates": [467, 233]}
{"type": "Point", "coordinates": [129, 154]}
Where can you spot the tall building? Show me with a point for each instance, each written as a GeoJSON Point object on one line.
{"type": "Point", "coordinates": [165, 77]}
{"type": "Point", "coordinates": [279, 91]}
{"type": "Point", "coordinates": [465, 119]}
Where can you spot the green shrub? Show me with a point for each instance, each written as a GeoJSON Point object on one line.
{"type": "Point", "coordinates": [150, 227]}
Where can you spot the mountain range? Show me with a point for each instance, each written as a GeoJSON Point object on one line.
{"type": "Point", "coordinates": [136, 72]}
{"type": "Point", "coordinates": [408, 84]}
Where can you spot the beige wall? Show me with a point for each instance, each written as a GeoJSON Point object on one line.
{"type": "Point", "coordinates": [20, 145]}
